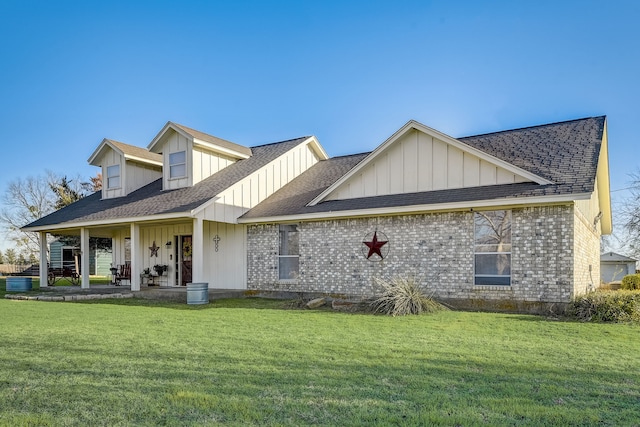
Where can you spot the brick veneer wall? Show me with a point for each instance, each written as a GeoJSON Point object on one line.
{"type": "Point", "coordinates": [437, 248]}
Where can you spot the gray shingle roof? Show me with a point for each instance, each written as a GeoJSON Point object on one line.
{"type": "Point", "coordinates": [139, 152]}
{"type": "Point", "coordinates": [565, 153]}
{"type": "Point", "coordinates": [214, 139]}
{"type": "Point", "coordinates": [151, 200]}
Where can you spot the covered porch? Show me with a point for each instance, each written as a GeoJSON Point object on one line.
{"type": "Point", "coordinates": [163, 253]}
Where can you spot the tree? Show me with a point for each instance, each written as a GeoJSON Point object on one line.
{"type": "Point", "coordinates": [96, 182]}
{"type": "Point", "coordinates": [67, 191]}
{"type": "Point", "coordinates": [10, 256]}
{"type": "Point", "coordinates": [26, 200]}
{"type": "Point", "coordinates": [1, 258]}
{"type": "Point", "coordinates": [626, 236]}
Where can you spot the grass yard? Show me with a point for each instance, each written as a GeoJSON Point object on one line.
{"type": "Point", "coordinates": [249, 362]}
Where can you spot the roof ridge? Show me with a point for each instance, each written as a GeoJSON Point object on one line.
{"type": "Point", "coordinates": [281, 142]}
{"type": "Point", "coordinates": [532, 127]}
{"type": "Point", "coordinates": [187, 128]}
{"type": "Point", "coordinates": [125, 143]}
{"type": "Point", "coordinates": [364, 153]}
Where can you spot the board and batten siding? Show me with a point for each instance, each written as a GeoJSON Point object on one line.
{"type": "Point", "coordinates": [161, 234]}
{"type": "Point", "coordinates": [112, 158]}
{"type": "Point", "coordinates": [225, 268]}
{"type": "Point", "coordinates": [253, 189]}
{"type": "Point", "coordinates": [133, 175]}
{"type": "Point", "coordinates": [206, 163]}
{"type": "Point", "coordinates": [139, 175]}
{"type": "Point", "coordinates": [419, 162]}
{"type": "Point", "coordinates": [200, 162]}
{"type": "Point", "coordinates": [590, 208]}
{"type": "Point", "coordinates": [173, 144]}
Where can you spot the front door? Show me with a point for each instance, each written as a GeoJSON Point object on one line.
{"type": "Point", "coordinates": [183, 254]}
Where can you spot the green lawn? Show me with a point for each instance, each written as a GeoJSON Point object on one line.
{"type": "Point", "coordinates": [249, 362]}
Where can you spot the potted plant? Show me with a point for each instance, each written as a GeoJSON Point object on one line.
{"type": "Point", "coordinates": [160, 269]}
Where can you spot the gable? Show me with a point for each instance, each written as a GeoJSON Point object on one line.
{"type": "Point", "coordinates": [203, 154]}
{"type": "Point", "coordinates": [136, 167]}
{"type": "Point", "coordinates": [420, 159]}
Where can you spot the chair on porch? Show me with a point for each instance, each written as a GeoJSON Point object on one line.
{"type": "Point", "coordinates": [124, 273]}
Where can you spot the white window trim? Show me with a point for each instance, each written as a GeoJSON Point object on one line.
{"type": "Point", "coordinates": [178, 164]}
{"type": "Point", "coordinates": [296, 279]}
{"type": "Point", "coordinates": [510, 276]}
{"type": "Point", "coordinates": [119, 176]}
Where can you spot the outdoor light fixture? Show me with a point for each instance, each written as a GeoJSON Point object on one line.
{"type": "Point", "coordinates": [168, 244]}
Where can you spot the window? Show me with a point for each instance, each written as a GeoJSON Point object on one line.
{"type": "Point", "coordinates": [178, 164]}
{"type": "Point", "coordinates": [113, 176]}
{"type": "Point", "coordinates": [288, 261]}
{"type": "Point", "coordinates": [493, 248]}
{"type": "Point", "coordinates": [127, 249]}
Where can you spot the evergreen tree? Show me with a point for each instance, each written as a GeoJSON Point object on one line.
{"type": "Point", "coordinates": [10, 256]}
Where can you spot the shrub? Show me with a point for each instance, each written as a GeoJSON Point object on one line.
{"type": "Point", "coordinates": [403, 295]}
{"type": "Point", "coordinates": [607, 306]}
{"type": "Point", "coordinates": [631, 282]}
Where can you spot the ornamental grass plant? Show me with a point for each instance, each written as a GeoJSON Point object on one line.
{"type": "Point", "coordinates": [403, 295]}
{"type": "Point", "coordinates": [607, 306]}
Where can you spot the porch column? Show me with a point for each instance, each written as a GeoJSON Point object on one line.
{"type": "Point", "coordinates": [85, 256]}
{"type": "Point", "coordinates": [44, 270]}
{"type": "Point", "coordinates": [197, 254]}
{"type": "Point", "coordinates": [136, 260]}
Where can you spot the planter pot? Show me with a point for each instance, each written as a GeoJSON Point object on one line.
{"type": "Point", "coordinates": [18, 284]}
{"type": "Point", "coordinates": [197, 293]}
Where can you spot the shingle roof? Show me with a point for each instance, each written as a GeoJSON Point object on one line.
{"type": "Point", "coordinates": [151, 200]}
{"type": "Point", "coordinates": [132, 150]}
{"type": "Point", "coordinates": [214, 139]}
{"type": "Point", "coordinates": [565, 153]}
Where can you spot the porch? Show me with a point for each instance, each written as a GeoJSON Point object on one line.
{"type": "Point", "coordinates": [167, 254]}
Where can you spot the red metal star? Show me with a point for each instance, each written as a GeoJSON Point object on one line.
{"type": "Point", "coordinates": [375, 245]}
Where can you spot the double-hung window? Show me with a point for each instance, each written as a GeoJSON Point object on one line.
{"type": "Point", "coordinates": [289, 254]}
{"type": "Point", "coordinates": [178, 164]}
{"type": "Point", "coordinates": [113, 176]}
{"type": "Point", "coordinates": [493, 248]}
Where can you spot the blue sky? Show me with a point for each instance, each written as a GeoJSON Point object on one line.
{"type": "Point", "coordinates": [349, 72]}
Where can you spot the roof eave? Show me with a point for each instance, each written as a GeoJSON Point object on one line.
{"type": "Point", "coordinates": [604, 189]}
{"type": "Point", "coordinates": [103, 222]}
{"type": "Point", "coordinates": [221, 150]}
{"type": "Point", "coordinates": [415, 209]}
{"type": "Point", "coordinates": [142, 160]}
{"type": "Point", "coordinates": [96, 153]}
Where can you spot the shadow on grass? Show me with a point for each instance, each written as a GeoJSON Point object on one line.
{"type": "Point", "coordinates": [250, 303]}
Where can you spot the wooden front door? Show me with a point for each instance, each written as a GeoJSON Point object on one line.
{"type": "Point", "coordinates": [184, 250]}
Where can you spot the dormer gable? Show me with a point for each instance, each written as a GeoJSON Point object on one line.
{"type": "Point", "coordinates": [125, 168]}
{"type": "Point", "coordinates": [190, 156]}
{"type": "Point", "coordinates": [418, 158]}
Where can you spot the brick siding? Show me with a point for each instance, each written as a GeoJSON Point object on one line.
{"type": "Point", "coordinates": [438, 249]}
